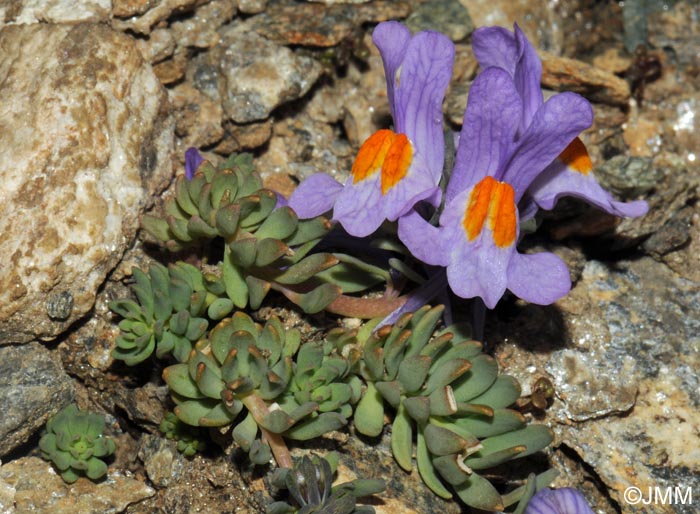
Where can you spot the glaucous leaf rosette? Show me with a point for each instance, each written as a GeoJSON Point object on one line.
{"type": "Point", "coordinates": [74, 441]}
{"type": "Point", "coordinates": [449, 397]}
{"type": "Point", "coordinates": [394, 169]}
{"type": "Point", "coordinates": [170, 312]}
{"type": "Point", "coordinates": [259, 380]}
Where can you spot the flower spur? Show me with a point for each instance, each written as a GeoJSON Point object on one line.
{"type": "Point", "coordinates": [394, 169]}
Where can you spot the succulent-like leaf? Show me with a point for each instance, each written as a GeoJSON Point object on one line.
{"type": "Point", "coordinates": [441, 441]}
{"type": "Point", "coordinates": [481, 376]}
{"type": "Point", "coordinates": [502, 421]}
{"type": "Point", "coordinates": [426, 468]}
{"type": "Point", "coordinates": [259, 453]}
{"type": "Point", "coordinates": [204, 413]}
{"type": "Point", "coordinates": [418, 407]}
{"type": "Point", "coordinates": [477, 492]}
{"type": "Point", "coordinates": [369, 413]}
{"type": "Point", "coordinates": [316, 427]}
{"type": "Point", "coordinates": [532, 437]}
{"type": "Point", "coordinates": [236, 288]}
{"type": "Point", "coordinates": [502, 393]}
{"type": "Point", "coordinates": [494, 458]}
{"type": "Point", "coordinates": [402, 438]}
{"type": "Point", "coordinates": [413, 371]}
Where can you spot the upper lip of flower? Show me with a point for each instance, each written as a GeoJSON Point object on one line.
{"type": "Point", "coordinates": [489, 145]}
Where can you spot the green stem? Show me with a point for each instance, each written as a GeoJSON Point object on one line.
{"type": "Point", "coordinates": [363, 266]}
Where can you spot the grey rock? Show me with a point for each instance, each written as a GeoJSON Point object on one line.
{"type": "Point", "coordinates": [446, 16]}
{"type": "Point", "coordinates": [252, 75]}
{"type": "Point", "coordinates": [628, 177]}
{"type": "Point", "coordinates": [675, 24]}
{"type": "Point", "coordinates": [208, 485]}
{"type": "Point", "coordinates": [675, 189]}
{"type": "Point", "coordinates": [592, 384]}
{"type": "Point", "coordinates": [34, 387]}
{"type": "Point", "coordinates": [197, 117]}
{"type": "Point", "coordinates": [40, 489]}
{"type": "Point", "coordinates": [159, 45]}
{"type": "Point", "coordinates": [163, 463]}
{"type": "Point", "coordinates": [672, 235]}
{"type": "Point", "coordinates": [59, 306]}
{"type": "Point", "coordinates": [7, 497]}
{"type": "Point", "coordinates": [652, 342]}
{"type": "Point", "coordinates": [83, 149]}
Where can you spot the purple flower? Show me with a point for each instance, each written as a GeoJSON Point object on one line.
{"type": "Point", "coordinates": [497, 160]}
{"type": "Point", "coordinates": [558, 501]}
{"type": "Point", "coordinates": [394, 169]}
{"type": "Point", "coordinates": [192, 161]}
{"type": "Point", "coordinates": [570, 173]}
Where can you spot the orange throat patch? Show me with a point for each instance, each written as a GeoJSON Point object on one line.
{"type": "Point", "coordinates": [576, 157]}
{"type": "Point", "coordinates": [493, 203]}
{"type": "Point", "coordinates": [387, 152]}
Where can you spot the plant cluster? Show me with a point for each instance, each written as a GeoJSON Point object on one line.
{"type": "Point", "coordinates": [445, 218]}
{"type": "Point", "coordinates": [74, 441]}
{"type": "Point", "coordinates": [444, 394]}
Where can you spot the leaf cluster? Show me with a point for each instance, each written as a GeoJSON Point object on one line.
{"type": "Point", "coordinates": [449, 397]}
{"type": "Point", "coordinates": [266, 244]}
{"type": "Point", "coordinates": [261, 380]}
{"type": "Point", "coordinates": [74, 441]}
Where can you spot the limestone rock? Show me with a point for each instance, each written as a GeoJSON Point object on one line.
{"type": "Point", "coordinates": [7, 497]}
{"type": "Point", "coordinates": [252, 6]}
{"type": "Point", "coordinates": [34, 387]}
{"type": "Point", "coordinates": [199, 30]}
{"type": "Point", "coordinates": [40, 489]}
{"type": "Point", "coordinates": [450, 18]}
{"type": "Point", "coordinates": [85, 142]}
{"type": "Point", "coordinates": [159, 45]}
{"type": "Point", "coordinates": [23, 12]}
{"type": "Point", "coordinates": [163, 463]}
{"type": "Point", "coordinates": [151, 14]}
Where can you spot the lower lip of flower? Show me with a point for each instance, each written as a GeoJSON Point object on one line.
{"type": "Point", "coordinates": [492, 202]}
{"type": "Point", "coordinates": [386, 151]}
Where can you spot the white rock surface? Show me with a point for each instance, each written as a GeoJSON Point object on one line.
{"type": "Point", "coordinates": [84, 142]}
{"type": "Point", "coordinates": [54, 11]}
